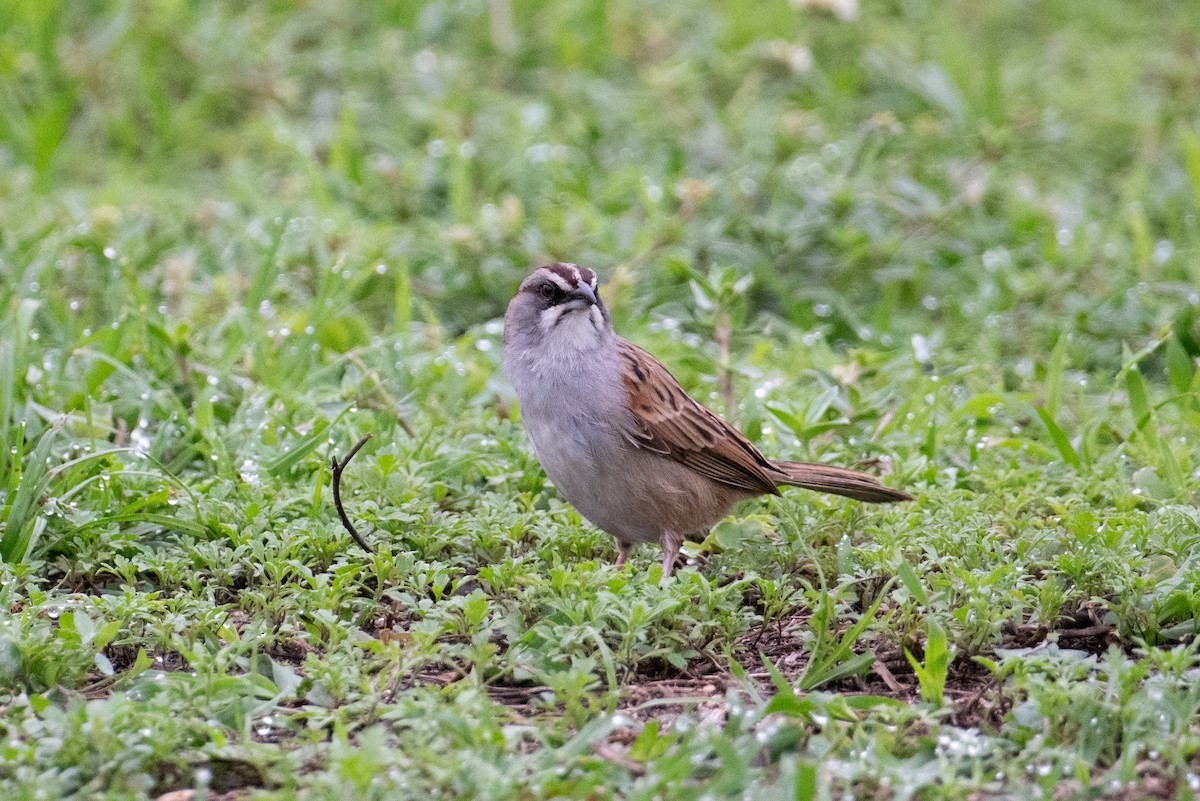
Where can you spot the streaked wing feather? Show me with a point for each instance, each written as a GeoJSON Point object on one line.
{"type": "Point", "coordinates": [666, 420]}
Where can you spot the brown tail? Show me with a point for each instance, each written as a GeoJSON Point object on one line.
{"type": "Point", "coordinates": [839, 481]}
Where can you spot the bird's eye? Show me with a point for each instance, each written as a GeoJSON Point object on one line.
{"type": "Point", "coordinates": [548, 291]}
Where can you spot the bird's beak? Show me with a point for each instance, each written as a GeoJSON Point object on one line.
{"type": "Point", "coordinates": [583, 296]}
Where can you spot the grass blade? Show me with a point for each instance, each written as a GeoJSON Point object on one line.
{"type": "Point", "coordinates": [280, 466]}
{"type": "Point", "coordinates": [1140, 406]}
{"type": "Point", "coordinates": [1054, 374]}
{"type": "Point", "coordinates": [1059, 437]}
{"type": "Point", "coordinates": [21, 527]}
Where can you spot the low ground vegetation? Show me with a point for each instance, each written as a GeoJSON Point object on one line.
{"type": "Point", "coordinates": [953, 243]}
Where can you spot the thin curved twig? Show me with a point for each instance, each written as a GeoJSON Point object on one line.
{"type": "Point", "coordinates": [338, 467]}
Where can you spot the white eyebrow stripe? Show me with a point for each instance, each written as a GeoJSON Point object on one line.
{"type": "Point", "coordinates": [558, 279]}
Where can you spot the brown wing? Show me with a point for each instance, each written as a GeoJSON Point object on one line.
{"type": "Point", "coordinates": [666, 420]}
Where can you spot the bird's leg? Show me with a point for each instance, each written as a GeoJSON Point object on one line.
{"type": "Point", "coordinates": [623, 549]}
{"type": "Point", "coordinates": [671, 543]}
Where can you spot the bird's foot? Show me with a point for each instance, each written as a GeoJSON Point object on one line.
{"type": "Point", "coordinates": [671, 543]}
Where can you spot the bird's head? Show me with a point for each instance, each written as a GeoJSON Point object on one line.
{"type": "Point", "coordinates": [558, 310]}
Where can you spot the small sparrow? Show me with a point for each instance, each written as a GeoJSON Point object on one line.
{"type": "Point", "coordinates": [621, 439]}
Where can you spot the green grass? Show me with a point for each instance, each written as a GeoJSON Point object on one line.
{"type": "Point", "coordinates": [955, 242]}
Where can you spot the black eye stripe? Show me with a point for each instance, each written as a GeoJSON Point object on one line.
{"type": "Point", "coordinates": [556, 283]}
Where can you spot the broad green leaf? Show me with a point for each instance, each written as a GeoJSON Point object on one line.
{"type": "Point", "coordinates": [912, 582]}
{"type": "Point", "coordinates": [1180, 368]}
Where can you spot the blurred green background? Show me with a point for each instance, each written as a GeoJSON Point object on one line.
{"type": "Point", "coordinates": [986, 173]}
